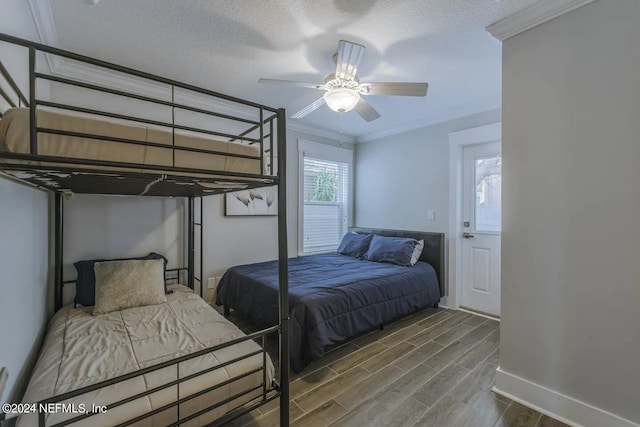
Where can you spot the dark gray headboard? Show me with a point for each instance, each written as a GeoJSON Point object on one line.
{"type": "Point", "coordinates": [433, 251]}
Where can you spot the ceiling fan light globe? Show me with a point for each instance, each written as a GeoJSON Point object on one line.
{"type": "Point", "coordinates": [341, 99]}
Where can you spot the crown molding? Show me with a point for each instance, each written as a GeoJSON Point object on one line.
{"type": "Point", "coordinates": [453, 114]}
{"type": "Point", "coordinates": [413, 125]}
{"type": "Point", "coordinates": [45, 27]}
{"type": "Point", "coordinates": [532, 16]}
{"type": "Point", "coordinates": [104, 77]}
{"type": "Point", "coordinates": [318, 131]}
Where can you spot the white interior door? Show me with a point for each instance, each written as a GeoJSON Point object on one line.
{"type": "Point", "coordinates": [482, 199]}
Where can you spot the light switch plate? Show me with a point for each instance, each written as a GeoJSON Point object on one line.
{"type": "Point", "coordinates": [212, 282]}
{"type": "Point", "coordinates": [431, 215]}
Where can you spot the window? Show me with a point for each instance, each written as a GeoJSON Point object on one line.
{"type": "Point", "coordinates": [325, 196]}
{"type": "Point", "coordinates": [488, 193]}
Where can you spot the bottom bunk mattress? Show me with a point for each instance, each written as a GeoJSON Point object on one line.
{"type": "Point", "coordinates": [81, 349]}
{"type": "Point", "coordinates": [332, 297]}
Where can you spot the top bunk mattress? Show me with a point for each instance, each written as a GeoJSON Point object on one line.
{"type": "Point", "coordinates": [81, 349]}
{"type": "Point", "coordinates": [15, 130]}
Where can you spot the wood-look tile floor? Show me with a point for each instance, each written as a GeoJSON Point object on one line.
{"type": "Point", "coordinates": [434, 368]}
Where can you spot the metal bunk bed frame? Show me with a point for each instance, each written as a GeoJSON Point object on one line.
{"type": "Point", "coordinates": [55, 174]}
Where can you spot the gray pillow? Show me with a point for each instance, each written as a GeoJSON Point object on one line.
{"type": "Point", "coordinates": [354, 244]}
{"type": "Point", "coordinates": [126, 284]}
{"type": "Point", "coordinates": [394, 250]}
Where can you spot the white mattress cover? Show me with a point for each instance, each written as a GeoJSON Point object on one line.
{"type": "Point", "coordinates": [81, 349]}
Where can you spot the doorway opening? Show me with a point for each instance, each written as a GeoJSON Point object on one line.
{"type": "Point", "coordinates": [474, 238]}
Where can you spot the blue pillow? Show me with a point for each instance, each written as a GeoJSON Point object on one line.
{"type": "Point", "coordinates": [354, 244]}
{"type": "Point", "coordinates": [394, 250]}
{"type": "Point", "coordinates": [86, 279]}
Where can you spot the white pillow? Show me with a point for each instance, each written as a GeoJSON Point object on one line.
{"type": "Point", "coordinates": [129, 283]}
{"type": "Point", "coordinates": [417, 251]}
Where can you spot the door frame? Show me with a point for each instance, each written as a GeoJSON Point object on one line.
{"type": "Point", "coordinates": [457, 142]}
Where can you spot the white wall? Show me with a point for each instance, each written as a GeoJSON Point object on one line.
{"type": "Point", "coordinates": [400, 177]}
{"type": "Point", "coordinates": [571, 240]}
{"type": "Point", "coordinates": [26, 298]}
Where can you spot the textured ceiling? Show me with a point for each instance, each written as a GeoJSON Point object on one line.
{"type": "Point", "coordinates": [226, 45]}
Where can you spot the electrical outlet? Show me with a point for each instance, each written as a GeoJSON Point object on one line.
{"type": "Point", "coordinates": [431, 215]}
{"type": "Point", "coordinates": [212, 282]}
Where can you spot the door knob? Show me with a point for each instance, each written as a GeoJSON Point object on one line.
{"type": "Point", "coordinates": [468, 235]}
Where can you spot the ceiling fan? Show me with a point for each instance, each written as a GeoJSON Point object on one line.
{"type": "Point", "coordinates": [343, 89]}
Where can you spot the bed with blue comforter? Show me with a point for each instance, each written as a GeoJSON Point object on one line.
{"type": "Point", "coordinates": [332, 297]}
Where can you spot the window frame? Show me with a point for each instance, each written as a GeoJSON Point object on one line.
{"type": "Point", "coordinates": [322, 152]}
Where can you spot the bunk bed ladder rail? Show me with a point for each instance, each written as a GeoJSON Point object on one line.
{"type": "Point", "coordinates": [6, 96]}
{"type": "Point", "coordinates": [58, 224]}
{"type": "Point", "coordinates": [192, 223]}
{"type": "Point", "coordinates": [21, 99]}
{"type": "Point", "coordinates": [33, 126]}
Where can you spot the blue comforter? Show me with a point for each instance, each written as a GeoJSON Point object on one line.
{"type": "Point", "coordinates": [332, 297]}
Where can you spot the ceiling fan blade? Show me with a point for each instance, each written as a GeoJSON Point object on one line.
{"type": "Point", "coordinates": [309, 109]}
{"type": "Point", "coordinates": [394, 89]}
{"type": "Point", "coordinates": [366, 111]}
{"type": "Point", "coordinates": [291, 83]}
{"type": "Point", "coordinates": [348, 59]}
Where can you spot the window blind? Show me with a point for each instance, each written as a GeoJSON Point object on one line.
{"type": "Point", "coordinates": [326, 204]}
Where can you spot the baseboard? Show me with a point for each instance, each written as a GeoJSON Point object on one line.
{"type": "Point", "coordinates": [479, 313]}
{"type": "Point", "coordinates": [556, 405]}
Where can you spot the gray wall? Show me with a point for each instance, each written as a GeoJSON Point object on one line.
{"type": "Point", "coordinates": [25, 302]}
{"type": "Point", "coordinates": [571, 241]}
{"type": "Point", "coordinates": [400, 177]}
{"type": "Point", "coordinates": [115, 227]}
{"type": "Point", "coordinates": [23, 238]}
